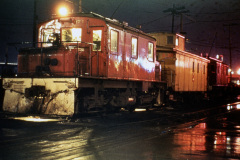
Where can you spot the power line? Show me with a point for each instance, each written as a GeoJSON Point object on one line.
{"type": "Point", "coordinates": [217, 13]}
{"type": "Point", "coordinates": [210, 21]}
{"type": "Point", "coordinates": [146, 23]}
{"type": "Point", "coordinates": [117, 8]}
{"type": "Point", "coordinates": [175, 11]}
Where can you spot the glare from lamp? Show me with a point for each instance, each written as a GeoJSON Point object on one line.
{"type": "Point", "coordinates": [63, 11]}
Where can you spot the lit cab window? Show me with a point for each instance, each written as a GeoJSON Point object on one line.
{"type": "Point", "coordinates": [134, 47]}
{"type": "Point", "coordinates": [150, 51]}
{"type": "Point", "coordinates": [97, 38]}
{"type": "Point", "coordinates": [71, 34]}
{"type": "Point", "coordinates": [114, 41]}
{"type": "Point", "coordinates": [50, 37]}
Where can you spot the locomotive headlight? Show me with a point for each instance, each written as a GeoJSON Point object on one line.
{"type": "Point", "coordinates": [63, 11]}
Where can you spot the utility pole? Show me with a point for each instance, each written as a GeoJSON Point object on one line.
{"type": "Point", "coordinates": [34, 22]}
{"type": "Point", "coordinates": [215, 36]}
{"type": "Point", "coordinates": [181, 23]}
{"type": "Point", "coordinates": [80, 6]}
{"type": "Point", "coordinates": [175, 11]}
{"type": "Point", "coordinates": [75, 3]}
{"type": "Point", "coordinates": [230, 51]}
{"type": "Point", "coordinates": [230, 46]}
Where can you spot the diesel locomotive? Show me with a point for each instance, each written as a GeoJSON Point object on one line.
{"type": "Point", "coordinates": [85, 62]}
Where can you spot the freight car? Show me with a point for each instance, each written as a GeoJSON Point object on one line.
{"type": "Point", "coordinates": [184, 72]}
{"type": "Point", "coordinates": [218, 85]}
{"type": "Point", "coordinates": [85, 62]}
{"type": "Point", "coordinates": [217, 72]}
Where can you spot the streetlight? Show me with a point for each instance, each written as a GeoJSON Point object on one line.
{"type": "Point", "coordinates": [63, 11]}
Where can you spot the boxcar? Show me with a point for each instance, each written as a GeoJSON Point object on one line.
{"type": "Point", "coordinates": [184, 72]}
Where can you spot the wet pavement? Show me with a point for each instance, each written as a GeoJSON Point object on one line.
{"type": "Point", "coordinates": [217, 137]}
{"type": "Point", "coordinates": [159, 134]}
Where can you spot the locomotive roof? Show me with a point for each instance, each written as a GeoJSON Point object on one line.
{"type": "Point", "coordinates": [123, 24]}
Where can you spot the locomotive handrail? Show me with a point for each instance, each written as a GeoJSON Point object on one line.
{"type": "Point", "coordinates": [40, 46]}
{"type": "Point", "coordinates": [22, 43]}
{"type": "Point", "coordinates": [78, 42]}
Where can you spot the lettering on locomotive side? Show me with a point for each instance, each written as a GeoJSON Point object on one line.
{"type": "Point", "coordinates": [79, 21]}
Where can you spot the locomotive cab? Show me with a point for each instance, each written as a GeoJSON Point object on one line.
{"type": "Point", "coordinates": [63, 50]}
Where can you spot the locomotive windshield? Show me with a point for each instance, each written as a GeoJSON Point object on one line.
{"type": "Point", "coordinates": [49, 33]}
{"type": "Point", "coordinates": [50, 37]}
{"type": "Point", "coordinates": [52, 32]}
{"type": "Point", "coordinates": [71, 34]}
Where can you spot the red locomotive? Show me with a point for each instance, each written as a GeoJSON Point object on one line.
{"type": "Point", "coordinates": [84, 62]}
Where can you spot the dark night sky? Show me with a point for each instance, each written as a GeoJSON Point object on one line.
{"type": "Point", "coordinates": [206, 23]}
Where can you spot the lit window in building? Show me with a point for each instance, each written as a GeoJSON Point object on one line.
{"type": "Point", "coordinates": [114, 41]}
{"type": "Point", "coordinates": [97, 38]}
{"type": "Point", "coordinates": [71, 34]}
{"type": "Point", "coordinates": [134, 47]}
{"type": "Point", "coordinates": [150, 51]}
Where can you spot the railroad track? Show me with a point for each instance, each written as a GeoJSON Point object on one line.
{"type": "Point", "coordinates": [92, 136]}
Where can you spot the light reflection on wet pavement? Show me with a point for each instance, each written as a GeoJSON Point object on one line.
{"type": "Point", "coordinates": [215, 138]}
{"type": "Point", "coordinates": [125, 136]}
